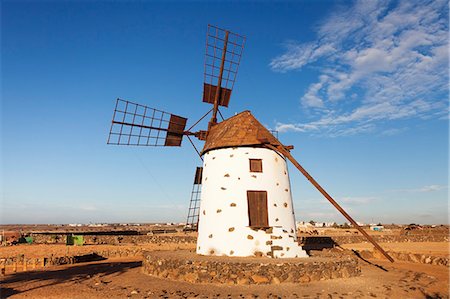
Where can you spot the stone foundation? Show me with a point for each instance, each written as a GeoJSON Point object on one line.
{"type": "Point", "coordinates": [187, 266]}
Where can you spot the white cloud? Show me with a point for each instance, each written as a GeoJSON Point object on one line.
{"type": "Point", "coordinates": [393, 131]}
{"type": "Point", "coordinates": [357, 200]}
{"type": "Point", "coordinates": [311, 98]}
{"type": "Point", "coordinates": [427, 188]}
{"type": "Point", "coordinates": [88, 208]}
{"type": "Point", "coordinates": [389, 60]}
{"type": "Point", "coordinates": [432, 188]}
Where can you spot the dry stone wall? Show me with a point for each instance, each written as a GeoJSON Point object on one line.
{"type": "Point", "coordinates": [409, 257]}
{"type": "Point", "coordinates": [391, 238]}
{"type": "Point", "coordinates": [115, 240]}
{"type": "Point", "coordinates": [187, 266]}
{"type": "Point", "coordinates": [190, 239]}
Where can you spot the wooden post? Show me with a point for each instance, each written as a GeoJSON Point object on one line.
{"type": "Point", "coordinates": [219, 83]}
{"type": "Point", "coordinates": [3, 267]}
{"type": "Point", "coordinates": [24, 264]}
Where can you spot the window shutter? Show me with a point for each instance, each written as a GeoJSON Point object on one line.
{"type": "Point", "coordinates": [255, 165]}
{"type": "Point", "coordinates": [257, 209]}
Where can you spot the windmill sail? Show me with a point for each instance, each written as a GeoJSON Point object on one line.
{"type": "Point", "coordinates": [194, 205]}
{"type": "Point", "coordinates": [135, 124]}
{"type": "Point", "coordinates": [222, 58]}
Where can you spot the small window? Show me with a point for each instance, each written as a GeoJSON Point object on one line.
{"type": "Point", "coordinates": [255, 165]}
{"type": "Point", "coordinates": [257, 209]}
{"type": "Point", "coordinates": [198, 176]}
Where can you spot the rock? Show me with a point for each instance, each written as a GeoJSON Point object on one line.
{"type": "Point", "coordinates": [134, 292]}
{"type": "Point", "coordinates": [242, 281]}
{"type": "Point", "coordinates": [258, 279]}
{"type": "Point", "coordinates": [304, 279]}
{"type": "Point", "coordinates": [275, 280]}
{"type": "Point", "coordinates": [191, 277]}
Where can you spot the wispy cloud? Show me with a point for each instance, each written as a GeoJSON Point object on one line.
{"type": "Point", "coordinates": [88, 208]}
{"type": "Point", "coordinates": [357, 200]}
{"type": "Point", "coordinates": [427, 188]}
{"type": "Point", "coordinates": [378, 61]}
{"type": "Point", "coordinates": [393, 131]}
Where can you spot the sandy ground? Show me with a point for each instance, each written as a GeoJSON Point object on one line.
{"type": "Point", "coordinates": [122, 278]}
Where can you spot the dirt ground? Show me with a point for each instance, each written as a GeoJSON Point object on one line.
{"type": "Point", "coordinates": [122, 278]}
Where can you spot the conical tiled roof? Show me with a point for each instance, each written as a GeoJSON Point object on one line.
{"type": "Point", "coordinates": [240, 130]}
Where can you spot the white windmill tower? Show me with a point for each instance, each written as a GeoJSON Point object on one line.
{"type": "Point", "coordinates": [246, 204]}
{"type": "Point", "coordinates": [241, 201]}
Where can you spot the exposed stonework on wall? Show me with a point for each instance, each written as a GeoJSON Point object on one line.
{"type": "Point", "coordinates": [186, 266]}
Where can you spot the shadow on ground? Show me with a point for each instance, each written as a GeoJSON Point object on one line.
{"type": "Point", "coordinates": [367, 261]}
{"type": "Point", "coordinates": [75, 273]}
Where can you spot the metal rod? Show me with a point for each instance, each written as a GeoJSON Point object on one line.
{"type": "Point", "coordinates": [140, 126]}
{"type": "Point", "coordinates": [194, 147]}
{"type": "Point", "coordinates": [200, 120]}
{"type": "Point", "coordinates": [288, 155]}
{"type": "Point", "coordinates": [219, 83]}
{"type": "Point", "coordinates": [114, 116]}
{"type": "Point", "coordinates": [220, 113]}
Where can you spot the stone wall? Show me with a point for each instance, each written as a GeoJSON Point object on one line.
{"type": "Point", "coordinates": [23, 263]}
{"type": "Point", "coordinates": [190, 239]}
{"type": "Point", "coordinates": [114, 240]}
{"type": "Point", "coordinates": [409, 257]}
{"type": "Point", "coordinates": [392, 238]}
{"type": "Point", "coordinates": [192, 268]}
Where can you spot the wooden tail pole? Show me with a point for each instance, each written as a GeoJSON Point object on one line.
{"type": "Point", "coordinates": [288, 155]}
{"type": "Point", "coordinates": [219, 82]}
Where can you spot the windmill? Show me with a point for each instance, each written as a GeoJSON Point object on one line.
{"type": "Point", "coordinates": [241, 197]}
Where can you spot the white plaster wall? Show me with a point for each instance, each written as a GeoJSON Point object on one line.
{"type": "Point", "coordinates": [223, 220]}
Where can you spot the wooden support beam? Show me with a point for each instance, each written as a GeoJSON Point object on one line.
{"type": "Point", "coordinates": [288, 155]}
{"type": "Point", "coordinates": [219, 83]}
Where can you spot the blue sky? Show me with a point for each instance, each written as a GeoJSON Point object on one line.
{"type": "Point", "coordinates": [359, 88]}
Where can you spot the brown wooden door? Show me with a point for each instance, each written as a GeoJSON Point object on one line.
{"type": "Point", "coordinates": [257, 209]}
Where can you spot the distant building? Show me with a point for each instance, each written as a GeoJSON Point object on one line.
{"type": "Point", "coordinates": [303, 224]}
{"type": "Point", "coordinates": [377, 228]}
